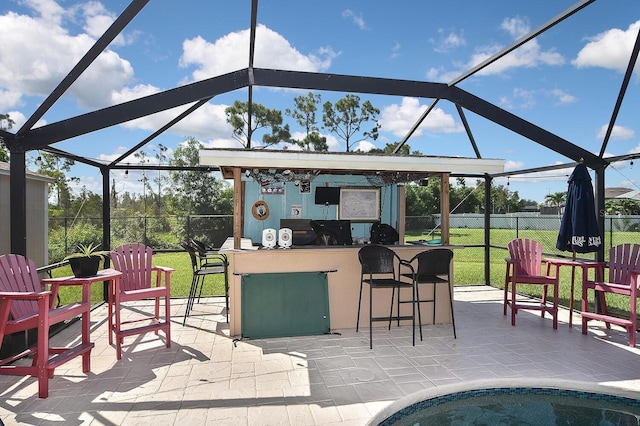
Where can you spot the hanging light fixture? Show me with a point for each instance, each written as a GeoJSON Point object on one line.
{"type": "Point", "coordinates": [39, 160]}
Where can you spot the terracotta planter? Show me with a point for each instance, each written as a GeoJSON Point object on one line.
{"type": "Point", "coordinates": [86, 266]}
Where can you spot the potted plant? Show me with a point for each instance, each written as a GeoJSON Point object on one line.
{"type": "Point", "coordinates": [86, 261]}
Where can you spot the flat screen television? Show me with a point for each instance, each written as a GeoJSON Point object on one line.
{"type": "Point", "coordinates": [327, 195]}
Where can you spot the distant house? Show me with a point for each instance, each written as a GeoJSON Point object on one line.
{"type": "Point", "coordinates": [613, 192]}
{"type": "Point", "coordinates": [529, 208]}
{"type": "Point", "coordinates": [551, 210]}
{"type": "Point", "coordinates": [37, 191]}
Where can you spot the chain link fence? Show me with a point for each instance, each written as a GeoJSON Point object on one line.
{"type": "Point", "coordinates": [467, 230]}
{"type": "Point", "coordinates": [164, 233]}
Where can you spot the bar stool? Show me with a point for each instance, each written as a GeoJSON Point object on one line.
{"type": "Point", "coordinates": [378, 271]}
{"type": "Point", "coordinates": [433, 267]}
{"type": "Point", "coordinates": [216, 265]}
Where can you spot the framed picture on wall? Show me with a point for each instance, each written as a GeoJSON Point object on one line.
{"type": "Point", "coordinates": [305, 187]}
{"type": "Point", "coordinates": [359, 204]}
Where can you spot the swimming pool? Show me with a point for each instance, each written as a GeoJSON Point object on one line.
{"type": "Point", "coordinates": [519, 406]}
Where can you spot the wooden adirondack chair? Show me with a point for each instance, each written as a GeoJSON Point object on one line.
{"type": "Point", "coordinates": [525, 266]}
{"type": "Point", "coordinates": [24, 305]}
{"type": "Point", "coordinates": [624, 279]}
{"type": "Point", "coordinates": [135, 263]}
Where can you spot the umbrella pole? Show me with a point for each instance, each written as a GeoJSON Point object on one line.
{"type": "Point", "coordinates": [573, 277]}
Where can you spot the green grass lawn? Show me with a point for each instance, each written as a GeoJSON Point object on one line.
{"type": "Point", "coordinates": [468, 267]}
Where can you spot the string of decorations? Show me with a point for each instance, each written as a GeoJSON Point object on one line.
{"type": "Point", "coordinates": [270, 176]}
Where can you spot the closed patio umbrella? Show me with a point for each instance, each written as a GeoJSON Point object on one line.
{"type": "Point", "coordinates": [579, 231]}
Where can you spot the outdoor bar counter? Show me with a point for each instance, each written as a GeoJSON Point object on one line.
{"type": "Point", "coordinates": [312, 289]}
{"type": "Point", "coordinates": [286, 284]}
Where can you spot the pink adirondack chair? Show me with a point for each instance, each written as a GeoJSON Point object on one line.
{"type": "Point", "coordinates": [624, 279]}
{"type": "Point", "coordinates": [24, 305]}
{"type": "Point", "coordinates": [525, 266]}
{"type": "Point", "coordinates": [135, 263]}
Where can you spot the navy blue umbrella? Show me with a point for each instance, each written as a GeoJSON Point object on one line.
{"type": "Point", "coordinates": [579, 227]}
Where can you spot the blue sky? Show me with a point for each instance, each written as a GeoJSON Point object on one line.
{"type": "Point", "coordinates": [567, 80]}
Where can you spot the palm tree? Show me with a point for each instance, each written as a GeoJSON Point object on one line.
{"type": "Point", "coordinates": [556, 199]}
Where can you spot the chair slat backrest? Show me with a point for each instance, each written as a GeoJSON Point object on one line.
{"type": "Point", "coordinates": [623, 258]}
{"type": "Point", "coordinates": [135, 262]}
{"type": "Point", "coordinates": [192, 254]}
{"type": "Point", "coordinates": [18, 274]}
{"type": "Point", "coordinates": [528, 256]}
{"type": "Point", "coordinates": [434, 262]}
{"type": "Point", "coordinates": [377, 259]}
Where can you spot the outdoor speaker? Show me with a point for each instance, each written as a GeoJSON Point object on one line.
{"type": "Point", "coordinates": [285, 237]}
{"type": "Point", "coordinates": [269, 238]}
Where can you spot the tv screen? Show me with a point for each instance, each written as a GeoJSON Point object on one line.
{"type": "Point", "coordinates": [327, 195]}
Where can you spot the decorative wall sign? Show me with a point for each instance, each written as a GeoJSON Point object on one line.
{"type": "Point", "coordinates": [260, 210]}
{"type": "Point", "coordinates": [272, 190]}
{"type": "Point", "coordinates": [296, 211]}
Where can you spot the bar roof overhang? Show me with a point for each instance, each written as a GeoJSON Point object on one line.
{"type": "Point", "coordinates": [344, 163]}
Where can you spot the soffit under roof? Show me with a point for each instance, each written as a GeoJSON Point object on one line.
{"type": "Point", "coordinates": [345, 162]}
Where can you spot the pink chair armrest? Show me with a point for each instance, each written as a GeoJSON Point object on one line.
{"type": "Point", "coordinates": [17, 295]}
{"type": "Point", "coordinates": [162, 269]}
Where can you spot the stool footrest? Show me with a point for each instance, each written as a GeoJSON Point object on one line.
{"type": "Point", "coordinates": [396, 318]}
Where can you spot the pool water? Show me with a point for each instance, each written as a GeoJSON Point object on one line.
{"type": "Point", "coordinates": [520, 406]}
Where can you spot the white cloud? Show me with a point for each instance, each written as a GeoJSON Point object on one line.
{"type": "Point", "coordinates": [150, 149]}
{"type": "Point", "coordinates": [37, 53]}
{"type": "Point", "coordinates": [557, 175]}
{"type": "Point", "coordinates": [230, 53]}
{"type": "Point", "coordinates": [563, 97]}
{"type": "Point", "coordinates": [618, 132]}
{"type": "Point", "coordinates": [398, 119]}
{"type": "Point", "coordinates": [9, 99]}
{"type": "Point", "coordinates": [48, 10]}
{"type": "Point", "coordinates": [129, 93]}
{"type": "Point", "coordinates": [528, 55]}
{"type": "Point", "coordinates": [223, 143]}
{"type": "Point", "coordinates": [520, 98]}
{"type": "Point", "coordinates": [364, 146]}
{"type": "Point", "coordinates": [513, 165]}
{"type": "Point", "coordinates": [448, 41]}
{"type": "Point", "coordinates": [19, 119]}
{"type": "Point", "coordinates": [333, 143]}
{"type": "Point", "coordinates": [610, 49]}
{"type": "Point", "coordinates": [208, 121]}
{"type": "Point", "coordinates": [97, 18]}
{"type": "Point", "coordinates": [116, 154]}
{"type": "Point", "coordinates": [355, 18]}
{"type": "Point", "coordinates": [634, 150]}
{"type": "Point", "coordinates": [516, 27]}
{"type": "Point", "coordinates": [395, 51]}
{"type": "Point", "coordinates": [441, 75]}
{"type": "Point", "coordinates": [89, 182]}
